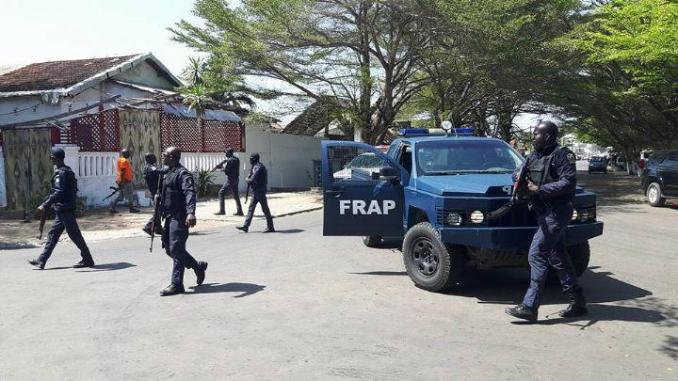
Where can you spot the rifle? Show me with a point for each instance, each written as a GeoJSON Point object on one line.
{"type": "Point", "coordinates": [43, 218]}
{"type": "Point", "coordinates": [157, 203]}
{"type": "Point", "coordinates": [115, 190]}
{"type": "Point", "coordinates": [517, 195]}
{"type": "Point", "coordinates": [247, 192]}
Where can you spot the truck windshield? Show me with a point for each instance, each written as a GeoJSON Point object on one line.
{"type": "Point", "coordinates": [456, 157]}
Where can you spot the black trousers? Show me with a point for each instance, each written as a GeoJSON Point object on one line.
{"type": "Point", "coordinates": [230, 186]}
{"type": "Point", "coordinates": [259, 198]}
{"type": "Point", "coordinates": [65, 221]}
{"type": "Point", "coordinates": [548, 250]}
{"type": "Point", "coordinates": [174, 236]}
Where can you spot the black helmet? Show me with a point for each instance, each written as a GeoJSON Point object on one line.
{"type": "Point", "coordinates": [58, 153]}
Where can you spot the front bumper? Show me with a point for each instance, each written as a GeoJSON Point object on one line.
{"type": "Point", "coordinates": [514, 237]}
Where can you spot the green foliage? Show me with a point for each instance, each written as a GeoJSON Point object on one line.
{"type": "Point", "coordinates": [203, 182]}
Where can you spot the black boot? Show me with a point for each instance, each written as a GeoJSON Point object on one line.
{"type": "Point", "coordinates": [84, 263]}
{"type": "Point", "coordinates": [37, 263]}
{"type": "Point", "coordinates": [522, 311]}
{"type": "Point", "coordinates": [200, 272]}
{"type": "Point", "coordinates": [238, 213]}
{"type": "Point", "coordinates": [243, 228]}
{"type": "Point", "coordinates": [269, 229]}
{"type": "Point", "coordinates": [219, 213]}
{"type": "Point", "coordinates": [172, 289]}
{"type": "Point", "coordinates": [577, 306]}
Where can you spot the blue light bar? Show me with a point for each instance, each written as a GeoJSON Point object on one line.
{"type": "Point", "coordinates": [413, 131]}
{"type": "Point", "coordinates": [464, 131]}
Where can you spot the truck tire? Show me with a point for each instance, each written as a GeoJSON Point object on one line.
{"type": "Point", "coordinates": [428, 261]}
{"type": "Point", "coordinates": [372, 240]}
{"type": "Point", "coordinates": [654, 195]}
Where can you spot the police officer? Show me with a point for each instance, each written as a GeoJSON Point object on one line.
{"type": "Point", "coordinates": [62, 200]}
{"type": "Point", "coordinates": [231, 168]}
{"type": "Point", "coordinates": [152, 177]}
{"type": "Point", "coordinates": [257, 180]}
{"type": "Point", "coordinates": [551, 186]}
{"type": "Point", "coordinates": [178, 210]}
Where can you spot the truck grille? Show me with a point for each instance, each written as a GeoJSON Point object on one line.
{"type": "Point", "coordinates": [517, 216]}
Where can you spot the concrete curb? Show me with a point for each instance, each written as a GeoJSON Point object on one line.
{"type": "Point", "coordinates": [28, 245]}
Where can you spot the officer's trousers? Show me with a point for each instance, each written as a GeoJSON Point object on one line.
{"type": "Point", "coordinates": [174, 236]}
{"type": "Point", "coordinates": [259, 197]}
{"type": "Point", "coordinates": [65, 221]}
{"type": "Point", "coordinates": [548, 249]}
{"type": "Point", "coordinates": [232, 187]}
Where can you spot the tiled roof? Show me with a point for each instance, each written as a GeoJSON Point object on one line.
{"type": "Point", "coordinates": [56, 74]}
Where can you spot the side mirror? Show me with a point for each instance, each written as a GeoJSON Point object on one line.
{"type": "Point", "coordinates": [389, 173]}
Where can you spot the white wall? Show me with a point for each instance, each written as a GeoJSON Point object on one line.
{"type": "Point", "coordinates": [288, 158]}
{"type": "Point", "coordinates": [3, 188]}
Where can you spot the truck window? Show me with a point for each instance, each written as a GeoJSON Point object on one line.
{"type": "Point", "coordinates": [352, 163]}
{"type": "Point", "coordinates": [458, 157]}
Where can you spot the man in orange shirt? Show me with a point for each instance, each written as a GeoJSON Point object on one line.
{"type": "Point", "coordinates": [124, 180]}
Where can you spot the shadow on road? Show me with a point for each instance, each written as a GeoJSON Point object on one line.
{"type": "Point", "coordinates": [507, 286]}
{"type": "Point", "coordinates": [382, 273]}
{"type": "Point", "coordinates": [670, 347]}
{"type": "Point", "coordinates": [290, 231]}
{"type": "Point", "coordinates": [108, 267]}
{"type": "Point", "coordinates": [245, 289]}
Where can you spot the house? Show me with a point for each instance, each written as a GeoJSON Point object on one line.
{"type": "Point", "coordinates": [93, 108]}
{"type": "Point", "coordinates": [318, 120]}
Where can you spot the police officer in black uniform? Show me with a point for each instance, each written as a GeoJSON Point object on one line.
{"type": "Point", "coordinates": [152, 176]}
{"type": "Point", "coordinates": [552, 181]}
{"type": "Point", "coordinates": [178, 210]}
{"type": "Point", "coordinates": [257, 180]}
{"type": "Point", "coordinates": [62, 199]}
{"type": "Point", "coordinates": [231, 168]}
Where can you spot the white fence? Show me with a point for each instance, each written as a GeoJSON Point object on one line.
{"type": "Point", "coordinates": [289, 159]}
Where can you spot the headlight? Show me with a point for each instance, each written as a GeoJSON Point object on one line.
{"type": "Point", "coordinates": [588, 214]}
{"type": "Point", "coordinates": [454, 219]}
{"type": "Point", "coordinates": [477, 217]}
{"type": "Point", "coordinates": [584, 214]}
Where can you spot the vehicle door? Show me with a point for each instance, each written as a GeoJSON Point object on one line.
{"type": "Point", "coordinates": [668, 172]}
{"type": "Point", "coordinates": [362, 191]}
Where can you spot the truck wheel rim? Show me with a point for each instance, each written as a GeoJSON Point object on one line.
{"type": "Point", "coordinates": [652, 194]}
{"type": "Point", "coordinates": [424, 257]}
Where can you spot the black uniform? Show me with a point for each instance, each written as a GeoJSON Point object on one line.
{"type": "Point", "coordinates": [258, 179]}
{"type": "Point", "coordinates": [178, 202]}
{"type": "Point", "coordinates": [554, 171]}
{"type": "Point", "coordinates": [152, 175]}
{"type": "Point", "coordinates": [232, 170]}
{"type": "Point", "coordinates": [62, 199]}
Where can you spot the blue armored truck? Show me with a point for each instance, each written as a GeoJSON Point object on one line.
{"type": "Point", "coordinates": [435, 192]}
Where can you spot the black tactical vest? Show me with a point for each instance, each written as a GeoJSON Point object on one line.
{"type": "Point", "coordinates": [173, 197]}
{"type": "Point", "coordinates": [539, 169]}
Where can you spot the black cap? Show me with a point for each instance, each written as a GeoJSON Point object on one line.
{"type": "Point", "coordinates": [254, 156]}
{"type": "Point", "coordinates": [58, 153]}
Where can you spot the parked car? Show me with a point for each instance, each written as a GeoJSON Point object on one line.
{"type": "Point", "coordinates": [598, 164]}
{"type": "Point", "coordinates": [362, 166]}
{"type": "Point", "coordinates": [659, 179]}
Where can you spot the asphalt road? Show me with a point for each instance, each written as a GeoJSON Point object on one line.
{"type": "Point", "coordinates": [295, 305]}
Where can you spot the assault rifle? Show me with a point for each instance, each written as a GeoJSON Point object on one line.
{"type": "Point", "coordinates": [518, 195]}
{"type": "Point", "coordinates": [43, 218]}
{"type": "Point", "coordinates": [158, 201]}
{"type": "Point", "coordinates": [247, 192]}
{"type": "Point", "coordinates": [115, 190]}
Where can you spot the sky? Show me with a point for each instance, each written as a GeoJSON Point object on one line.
{"type": "Point", "coordinates": [44, 30]}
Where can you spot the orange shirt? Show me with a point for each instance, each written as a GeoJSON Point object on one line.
{"type": "Point", "coordinates": [124, 174]}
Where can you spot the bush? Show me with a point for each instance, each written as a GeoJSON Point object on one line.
{"type": "Point", "coordinates": [203, 182]}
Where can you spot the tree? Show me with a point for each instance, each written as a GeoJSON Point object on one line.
{"type": "Point", "coordinates": [361, 53]}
